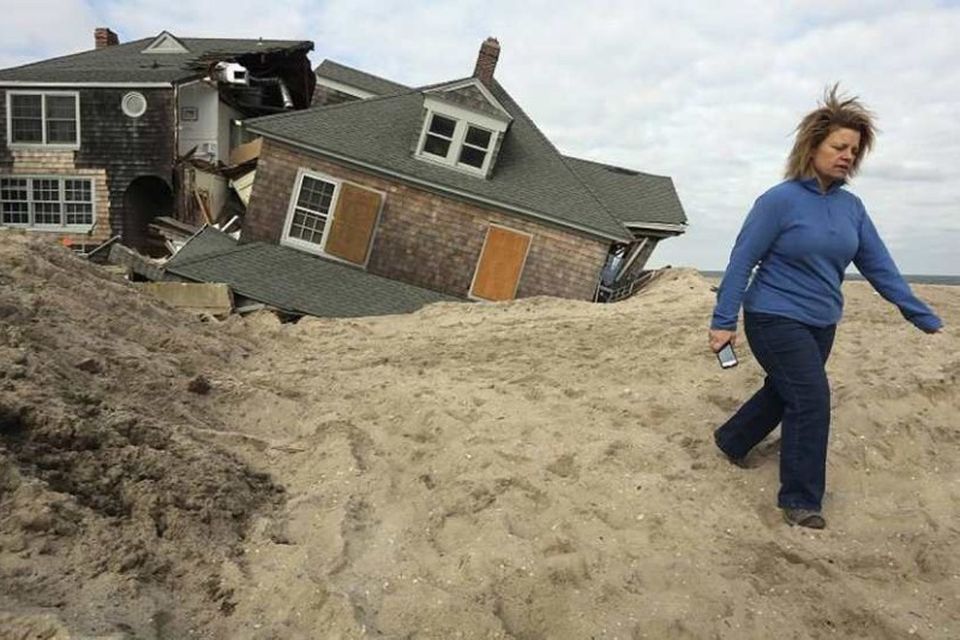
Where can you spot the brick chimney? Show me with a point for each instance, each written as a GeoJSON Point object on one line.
{"type": "Point", "coordinates": [487, 61]}
{"type": "Point", "coordinates": [104, 37]}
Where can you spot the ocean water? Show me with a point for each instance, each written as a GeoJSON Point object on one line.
{"type": "Point", "coordinates": [913, 278]}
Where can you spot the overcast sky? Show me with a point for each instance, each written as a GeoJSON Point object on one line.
{"type": "Point", "coordinates": [707, 93]}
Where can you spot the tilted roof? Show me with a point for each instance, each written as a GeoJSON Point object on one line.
{"type": "Point", "coordinates": [381, 133]}
{"type": "Point", "coordinates": [632, 196]}
{"type": "Point", "coordinates": [126, 62]}
{"type": "Point", "coordinates": [359, 79]}
{"type": "Point", "coordinates": [295, 281]}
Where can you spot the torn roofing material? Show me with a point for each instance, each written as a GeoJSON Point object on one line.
{"type": "Point", "coordinates": [294, 281]}
{"type": "Point", "coordinates": [128, 63]}
{"type": "Point", "coordinates": [530, 177]}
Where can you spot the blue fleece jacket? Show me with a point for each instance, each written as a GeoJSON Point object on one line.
{"type": "Point", "coordinates": [804, 240]}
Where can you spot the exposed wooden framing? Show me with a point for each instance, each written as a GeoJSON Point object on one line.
{"type": "Point", "coordinates": [631, 258]}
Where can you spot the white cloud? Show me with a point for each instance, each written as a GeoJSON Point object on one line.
{"type": "Point", "coordinates": [707, 93]}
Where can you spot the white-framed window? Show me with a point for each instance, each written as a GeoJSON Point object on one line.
{"type": "Point", "coordinates": [476, 147]}
{"type": "Point", "coordinates": [49, 203]}
{"type": "Point", "coordinates": [311, 209]}
{"type": "Point", "coordinates": [457, 142]}
{"type": "Point", "coordinates": [43, 118]}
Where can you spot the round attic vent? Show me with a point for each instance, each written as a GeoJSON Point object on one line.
{"type": "Point", "coordinates": [134, 104]}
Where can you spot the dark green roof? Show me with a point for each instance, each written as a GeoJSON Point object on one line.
{"type": "Point", "coordinates": [295, 281]}
{"type": "Point", "coordinates": [359, 79]}
{"type": "Point", "coordinates": [126, 63]}
{"type": "Point", "coordinates": [530, 175]}
{"type": "Point", "coordinates": [632, 196]}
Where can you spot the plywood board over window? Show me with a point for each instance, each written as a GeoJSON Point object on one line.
{"type": "Point", "coordinates": [501, 263]}
{"type": "Point", "coordinates": [353, 224]}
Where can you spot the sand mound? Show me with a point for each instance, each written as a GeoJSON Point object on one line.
{"type": "Point", "coordinates": [534, 469]}
{"type": "Point", "coordinates": [111, 511]}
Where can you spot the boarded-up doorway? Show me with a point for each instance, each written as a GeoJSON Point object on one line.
{"type": "Point", "coordinates": [501, 263]}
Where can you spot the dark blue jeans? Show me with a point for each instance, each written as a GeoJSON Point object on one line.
{"type": "Point", "coordinates": [795, 393]}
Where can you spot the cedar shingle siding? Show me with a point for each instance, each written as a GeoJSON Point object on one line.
{"type": "Point", "coordinates": [114, 148]}
{"type": "Point", "coordinates": [427, 239]}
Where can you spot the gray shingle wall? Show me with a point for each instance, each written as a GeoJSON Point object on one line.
{"type": "Point", "coordinates": [111, 142]}
{"type": "Point", "coordinates": [426, 239]}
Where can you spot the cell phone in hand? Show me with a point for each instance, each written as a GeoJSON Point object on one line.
{"type": "Point", "coordinates": [726, 356]}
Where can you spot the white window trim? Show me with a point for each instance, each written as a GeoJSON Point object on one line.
{"type": "Point", "coordinates": [303, 245]}
{"type": "Point", "coordinates": [320, 249]}
{"type": "Point", "coordinates": [61, 228]}
{"type": "Point", "coordinates": [43, 114]}
{"type": "Point", "coordinates": [456, 145]}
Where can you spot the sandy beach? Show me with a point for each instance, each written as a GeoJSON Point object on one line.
{"type": "Point", "coordinates": [534, 469]}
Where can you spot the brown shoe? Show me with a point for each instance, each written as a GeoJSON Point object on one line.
{"type": "Point", "coordinates": [804, 518]}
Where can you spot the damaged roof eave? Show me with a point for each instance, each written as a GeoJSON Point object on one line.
{"type": "Point", "coordinates": [659, 227]}
{"type": "Point", "coordinates": [626, 237]}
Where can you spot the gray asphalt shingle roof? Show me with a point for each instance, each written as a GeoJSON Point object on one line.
{"type": "Point", "coordinates": [295, 281]}
{"type": "Point", "coordinates": [359, 79]}
{"type": "Point", "coordinates": [126, 63]}
{"type": "Point", "coordinates": [530, 175]}
{"type": "Point", "coordinates": [630, 195]}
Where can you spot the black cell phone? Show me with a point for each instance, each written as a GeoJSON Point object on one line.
{"type": "Point", "coordinates": [726, 356]}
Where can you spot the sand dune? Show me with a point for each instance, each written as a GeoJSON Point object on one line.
{"type": "Point", "coordinates": [535, 469]}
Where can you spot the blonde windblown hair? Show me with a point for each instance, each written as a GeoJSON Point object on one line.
{"type": "Point", "coordinates": [834, 113]}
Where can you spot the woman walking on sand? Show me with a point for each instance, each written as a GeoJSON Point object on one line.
{"type": "Point", "coordinates": [803, 233]}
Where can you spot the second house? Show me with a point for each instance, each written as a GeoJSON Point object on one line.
{"type": "Point", "coordinates": [453, 188]}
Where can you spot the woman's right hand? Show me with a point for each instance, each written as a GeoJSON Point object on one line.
{"type": "Point", "coordinates": [719, 337]}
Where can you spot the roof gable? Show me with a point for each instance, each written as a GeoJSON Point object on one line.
{"type": "Point", "coordinates": [166, 42]}
{"type": "Point", "coordinates": [470, 94]}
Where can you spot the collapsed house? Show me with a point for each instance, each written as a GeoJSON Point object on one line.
{"type": "Point", "coordinates": [101, 143]}
{"type": "Point", "coordinates": [451, 187]}
{"type": "Point", "coordinates": [377, 199]}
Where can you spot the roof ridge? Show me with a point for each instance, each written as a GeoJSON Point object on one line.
{"type": "Point", "coordinates": [73, 55]}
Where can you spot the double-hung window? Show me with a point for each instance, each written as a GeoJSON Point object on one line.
{"type": "Point", "coordinates": [43, 118]}
{"type": "Point", "coordinates": [476, 146]}
{"type": "Point", "coordinates": [457, 143]}
{"type": "Point", "coordinates": [51, 203]}
{"type": "Point", "coordinates": [439, 136]}
{"type": "Point", "coordinates": [310, 212]}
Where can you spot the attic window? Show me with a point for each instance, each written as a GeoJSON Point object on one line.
{"type": "Point", "coordinates": [476, 145]}
{"type": "Point", "coordinates": [439, 136]}
{"type": "Point", "coordinates": [457, 143]}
